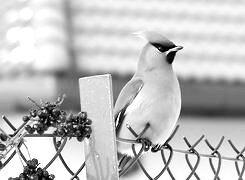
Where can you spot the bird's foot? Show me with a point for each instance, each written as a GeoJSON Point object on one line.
{"type": "Point", "coordinates": [156, 147]}
{"type": "Point", "coordinates": [145, 142]}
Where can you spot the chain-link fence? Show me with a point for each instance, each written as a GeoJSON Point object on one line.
{"type": "Point", "coordinates": [146, 145]}
{"type": "Point", "coordinates": [68, 126]}
{"type": "Point", "coordinates": [44, 117]}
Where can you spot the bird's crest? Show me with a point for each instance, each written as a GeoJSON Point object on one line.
{"type": "Point", "coordinates": [154, 38]}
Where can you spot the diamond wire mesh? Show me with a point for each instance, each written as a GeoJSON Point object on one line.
{"type": "Point", "coordinates": [65, 126]}
{"type": "Point", "coordinates": [146, 146]}
{"type": "Point", "coordinates": [58, 147]}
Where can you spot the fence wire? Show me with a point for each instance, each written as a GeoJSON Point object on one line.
{"type": "Point", "coordinates": [146, 145]}
{"type": "Point", "coordinates": [16, 141]}
{"type": "Point", "coordinates": [15, 148]}
{"type": "Point", "coordinates": [36, 124]}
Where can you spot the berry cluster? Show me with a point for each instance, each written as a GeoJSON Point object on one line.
{"type": "Point", "coordinates": [33, 172]}
{"type": "Point", "coordinates": [47, 115]}
{"type": "Point", "coordinates": [78, 126]}
{"type": "Point", "coordinates": [50, 115]}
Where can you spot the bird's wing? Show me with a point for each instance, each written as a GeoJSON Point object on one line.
{"type": "Point", "coordinates": [125, 98]}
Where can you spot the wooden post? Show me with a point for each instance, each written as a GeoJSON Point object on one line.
{"type": "Point", "coordinates": [96, 99]}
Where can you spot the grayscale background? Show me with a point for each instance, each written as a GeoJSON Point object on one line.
{"type": "Point", "coordinates": [47, 45]}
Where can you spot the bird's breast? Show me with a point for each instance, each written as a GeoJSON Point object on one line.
{"type": "Point", "coordinates": [159, 104]}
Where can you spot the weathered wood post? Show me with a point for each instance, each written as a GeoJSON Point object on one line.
{"type": "Point", "coordinates": [96, 98]}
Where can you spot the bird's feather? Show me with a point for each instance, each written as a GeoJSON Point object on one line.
{"type": "Point", "coordinates": [125, 98]}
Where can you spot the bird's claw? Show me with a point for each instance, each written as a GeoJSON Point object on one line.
{"type": "Point", "coordinates": [156, 148]}
{"type": "Point", "coordinates": [145, 142]}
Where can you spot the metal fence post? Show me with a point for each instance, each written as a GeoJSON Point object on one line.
{"type": "Point", "coordinates": [96, 99]}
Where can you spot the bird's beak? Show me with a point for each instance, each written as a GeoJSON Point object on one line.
{"type": "Point", "coordinates": [175, 49]}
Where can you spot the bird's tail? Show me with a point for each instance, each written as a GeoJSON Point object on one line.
{"type": "Point", "coordinates": [124, 161]}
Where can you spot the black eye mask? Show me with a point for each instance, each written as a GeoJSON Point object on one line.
{"type": "Point", "coordinates": [163, 48]}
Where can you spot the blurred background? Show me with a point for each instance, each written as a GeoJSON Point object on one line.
{"type": "Point", "coordinates": [47, 45]}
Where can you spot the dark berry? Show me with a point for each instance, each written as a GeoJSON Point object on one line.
{"type": "Point", "coordinates": [29, 129]}
{"type": "Point", "coordinates": [40, 131]}
{"type": "Point", "coordinates": [88, 121]}
{"type": "Point", "coordinates": [78, 133]}
{"type": "Point", "coordinates": [35, 162]}
{"type": "Point", "coordinates": [80, 138]}
{"type": "Point", "coordinates": [51, 176]}
{"type": "Point", "coordinates": [42, 113]}
{"type": "Point", "coordinates": [40, 126]}
{"type": "Point", "coordinates": [52, 122]}
{"type": "Point", "coordinates": [58, 144]}
{"type": "Point", "coordinates": [2, 147]}
{"type": "Point", "coordinates": [3, 137]}
{"type": "Point", "coordinates": [26, 170]}
{"type": "Point", "coordinates": [35, 126]}
{"type": "Point", "coordinates": [83, 115]}
{"type": "Point", "coordinates": [42, 120]}
{"type": "Point", "coordinates": [34, 177]}
{"type": "Point", "coordinates": [22, 177]}
{"type": "Point", "coordinates": [70, 133]}
{"type": "Point", "coordinates": [69, 127]}
{"type": "Point", "coordinates": [61, 132]}
{"type": "Point", "coordinates": [45, 127]}
{"type": "Point", "coordinates": [80, 121]}
{"type": "Point", "coordinates": [45, 173]}
{"type": "Point", "coordinates": [26, 118]}
{"type": "Point", "coordinates": [80, 127]}
{"type": "Point", "coordinates": [31, 165]}
{"type": "Point", "coordinates": [39, 171]}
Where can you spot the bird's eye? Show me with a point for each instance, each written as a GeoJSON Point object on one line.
{"type": "Point", "coordinates": [160, 47]}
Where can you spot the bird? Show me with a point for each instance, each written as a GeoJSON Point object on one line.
{"type": "Point", "coordinates": [151, 97]}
